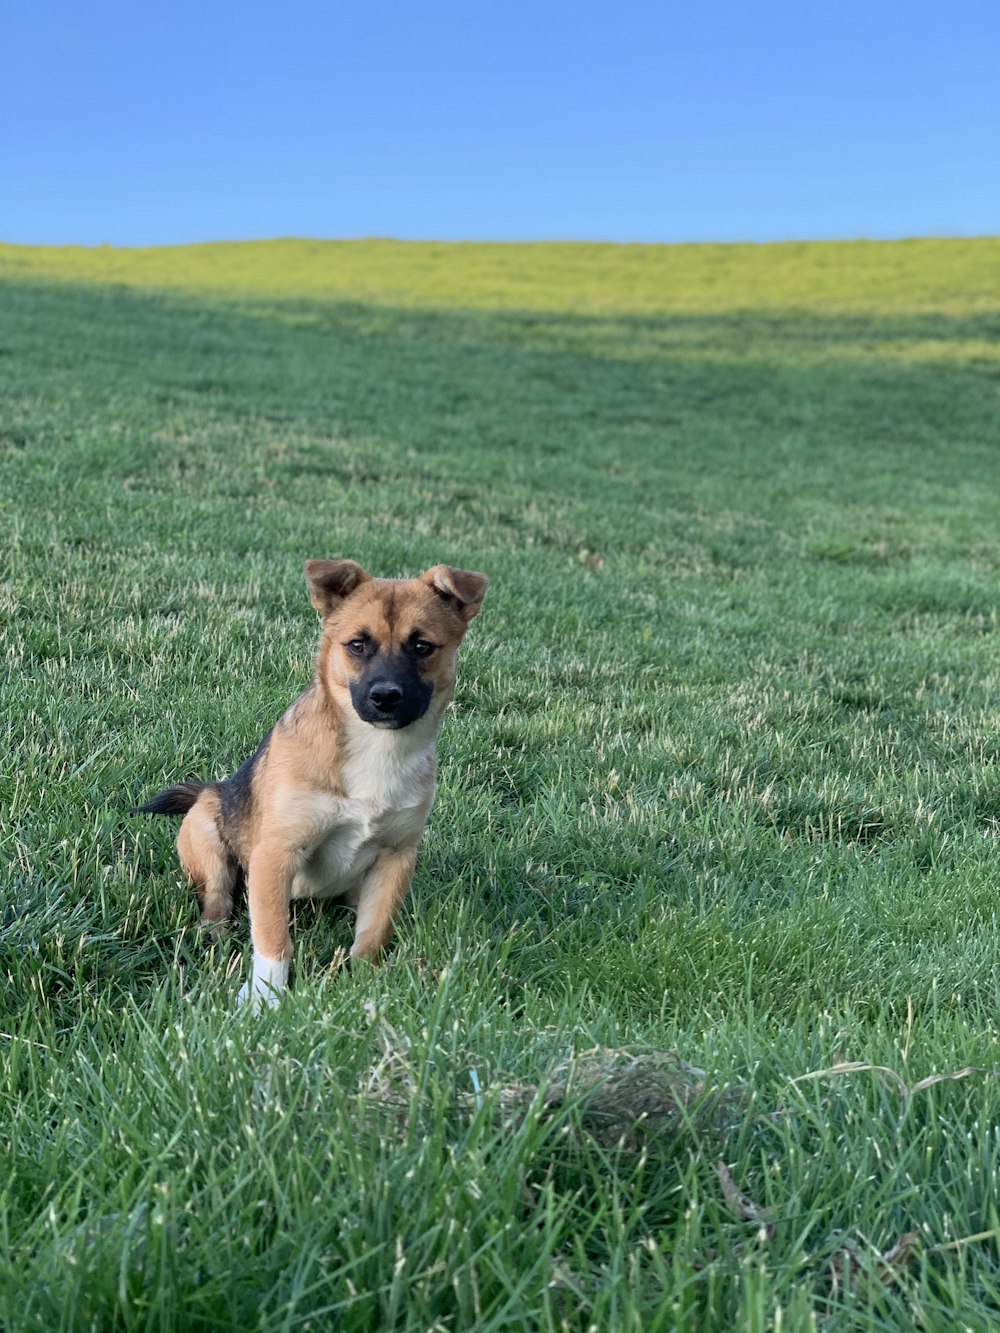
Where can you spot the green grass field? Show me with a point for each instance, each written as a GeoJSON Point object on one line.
{"type": "Point", "coordinates": [715, 837]}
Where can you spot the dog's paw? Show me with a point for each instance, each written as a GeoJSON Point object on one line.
{"type": "Point", "coordinates": [215, 930]}
{"type": "Point", "coordinates": [265, 987]}
{"type": "Point", "coordinates": [253, 1000]}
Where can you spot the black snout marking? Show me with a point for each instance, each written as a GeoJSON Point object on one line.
{"type": "Point", "coordinates": [391, 692]}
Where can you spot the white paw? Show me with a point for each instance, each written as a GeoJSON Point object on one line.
{"type": "Point", "coordinates": [266, 985]}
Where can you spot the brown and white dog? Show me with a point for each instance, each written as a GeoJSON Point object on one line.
{"type": "Point", "coordinates": [334, 801]}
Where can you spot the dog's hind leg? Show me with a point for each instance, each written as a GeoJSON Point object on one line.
{"type": "Point", "coordinates": [207, 862]}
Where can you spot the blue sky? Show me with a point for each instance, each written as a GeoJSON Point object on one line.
{"type": "Point", "coordinates": [140, 124]}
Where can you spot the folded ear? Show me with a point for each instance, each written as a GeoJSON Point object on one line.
{"type": "Point", "coordinates": [330, 581]}
{"type": "Point", "coordinates": [464, 589]}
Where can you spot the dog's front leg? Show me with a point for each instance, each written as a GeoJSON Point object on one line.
{"type": "Point", "coordinates": [379, 899]}
{"type": "Point", "coordinates": [269, 877]}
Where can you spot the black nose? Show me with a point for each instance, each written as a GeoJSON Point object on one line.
{"type": "Point", "coordinates": [385, 696]}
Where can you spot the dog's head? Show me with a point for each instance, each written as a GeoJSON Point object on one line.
{"type": "Point", "coordinates": [391, 645]}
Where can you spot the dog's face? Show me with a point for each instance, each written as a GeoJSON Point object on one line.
{"type": "Point", "coordinates": [390, 646]}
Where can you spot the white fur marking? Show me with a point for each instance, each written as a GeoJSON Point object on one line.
{"type": "Point", "coordinates": [385, 767]}
{"type": "Point", "coordinates": [270, 977]}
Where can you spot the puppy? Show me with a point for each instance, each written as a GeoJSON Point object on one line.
{"type": "Point", "coordinates": [335, 799]}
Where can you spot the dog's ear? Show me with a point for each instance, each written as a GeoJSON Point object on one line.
{"type": "Point", "coordinates": [461, 587]}
{"type": "Point", "coordinates": [330, 581]}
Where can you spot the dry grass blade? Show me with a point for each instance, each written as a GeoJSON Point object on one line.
{"type": "Point", "coordinates": [891, 1077]}
{"type": "Point", "coordinates": [856, 1067]}
{"type": "Point", "coordinates": [946, 1078]}
{"type": "Point", "coordinates": [738, 1203]}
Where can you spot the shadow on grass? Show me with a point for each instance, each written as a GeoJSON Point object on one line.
{"type": "Point", "coordinates": [744, 412]}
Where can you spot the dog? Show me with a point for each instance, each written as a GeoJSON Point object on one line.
{"type": "Point", "coordinates": [334, 801]}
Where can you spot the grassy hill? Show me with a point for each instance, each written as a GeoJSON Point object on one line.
{"type": "Point", "coordinates": [935, 277]}
{"type": "Point", "coordinates": [715, 839]}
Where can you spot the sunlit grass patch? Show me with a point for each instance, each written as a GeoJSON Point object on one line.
{"type": "Point", "coordinates": [947, 276]}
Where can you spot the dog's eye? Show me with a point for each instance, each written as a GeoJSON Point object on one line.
{"type": "Point", "coordinates": [423, 649]}
{"type": "Point", "coordinates": [356, 647]}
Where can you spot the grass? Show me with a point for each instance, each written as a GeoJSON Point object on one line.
{"type": "Point", "coordinates": [719, 794]}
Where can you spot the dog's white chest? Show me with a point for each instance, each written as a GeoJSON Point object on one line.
{"type": "Point", "coordinates": [385, 784]}
{"type": "Point", "coordinates": [389, 768]}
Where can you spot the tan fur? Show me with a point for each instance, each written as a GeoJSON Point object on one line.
{"type": "Point", "coordinates": [333, 805]}
{"type": "Point", "coordinates": [379, 899]}
{"type": "Point", "coordinates": [206, 862]}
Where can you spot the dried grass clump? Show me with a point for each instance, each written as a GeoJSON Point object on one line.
{"type": "Point", "coordinates": [622, 1099]}
{"type": "Point", "coordinates": [629, 1100]}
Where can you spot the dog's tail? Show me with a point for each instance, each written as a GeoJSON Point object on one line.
{"type": "Point", "coordinates": [175, 800]}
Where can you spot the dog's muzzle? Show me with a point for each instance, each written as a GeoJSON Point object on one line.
{"type": "Point", "coordinates": [390, 703]}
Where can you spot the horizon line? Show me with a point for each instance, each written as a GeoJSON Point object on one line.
{"type": "Point", "coordinates": [292, 238]}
